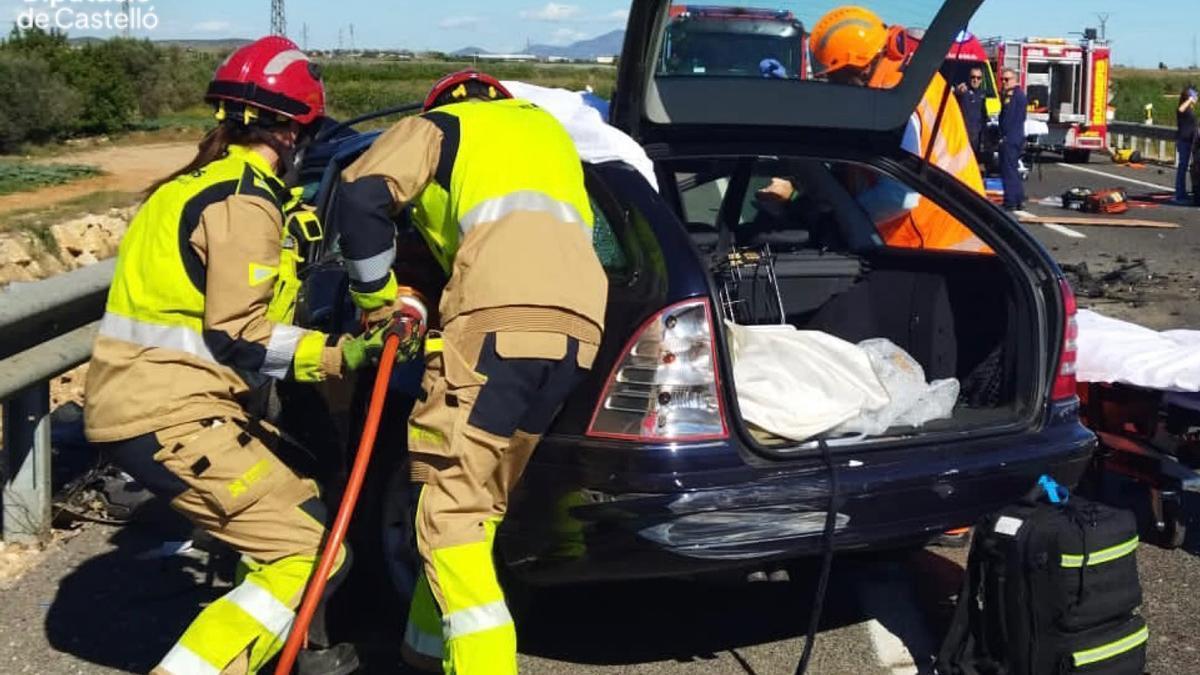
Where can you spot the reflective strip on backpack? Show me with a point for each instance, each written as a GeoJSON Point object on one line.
{"type": "Point", "coordinates": [1102, 556]}
{"type": "Point", "coordinates": [178, 338]}
{"type": "Point", "coordinates": [183, 661]}
{"type": "Point", "coordinates": [476, 619]}
{"type": "Point", "coordinates": [1111, 649]}
{"type": "Point", "coordinates": [525, 200]}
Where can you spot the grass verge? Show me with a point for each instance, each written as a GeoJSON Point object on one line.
{"type": "Point", "coordinates": [23, 175]}
{"type": "Point", "coordinates": [36, 221]}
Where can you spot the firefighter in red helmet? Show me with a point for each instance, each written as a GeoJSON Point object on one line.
{"type": "Point", "coordinates": [497, 192]}
{"type": "Point", "coordinates": [199, 317]}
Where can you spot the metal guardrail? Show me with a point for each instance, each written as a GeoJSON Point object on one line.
{"type": "Point", "coordinates": [46, 328]}
{"type": "Point", "coordinates": [1156, 143]}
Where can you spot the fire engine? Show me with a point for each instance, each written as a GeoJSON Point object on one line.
{"type": "Point", "coordinates": [1067, 83]}
{"type": "Point", "coordinates": [718, 40]}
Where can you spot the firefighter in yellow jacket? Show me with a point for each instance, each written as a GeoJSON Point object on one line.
{"type": "Point", "coordinates": [497, 191]}
{"type": "Point", "coordinates": [198, 316]}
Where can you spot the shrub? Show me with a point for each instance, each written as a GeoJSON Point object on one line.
{"type": "Point", "coordinates": [40, 106]}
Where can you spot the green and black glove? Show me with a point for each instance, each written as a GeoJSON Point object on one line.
{"type": "Point", "coordinates": [362, 350]}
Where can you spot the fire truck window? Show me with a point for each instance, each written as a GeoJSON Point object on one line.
{"type": "Point", "coordinates": [755, 39]}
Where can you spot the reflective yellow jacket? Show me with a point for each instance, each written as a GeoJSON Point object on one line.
{"type": "Point", "coordinates": [201, 304]}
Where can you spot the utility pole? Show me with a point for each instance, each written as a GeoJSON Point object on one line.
{"type": "Point", "coordinates": [128, 18]}
{"type": "Point", "coordinates": [1103, 17]}
{"type": "Point", "coordinates": [1194, 60]}
{"type": "Point", "coordinates": [341, 43]}
{"type": "Point", "coordinates": [304, 35]}
{"type": "Point", "coordinates": [278, 18]}
{"type": "Point", "coordinates": [351, 38]}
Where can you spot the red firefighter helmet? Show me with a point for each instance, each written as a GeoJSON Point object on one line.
{"type": "Point", "coordinates": [462, 85]}
{"type": "Point", "coordinates": [271, 75]}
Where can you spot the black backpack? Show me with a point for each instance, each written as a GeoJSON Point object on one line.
{"type": "Point", "coordinates": [1050, 589]}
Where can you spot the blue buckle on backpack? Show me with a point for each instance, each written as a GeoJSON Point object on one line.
{"type": "Point", "coordinates": [1056, 493]}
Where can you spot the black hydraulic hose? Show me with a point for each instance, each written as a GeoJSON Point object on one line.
{"type": "Point", "coordinates": [326, 134]}
{"type": "Point", "coordinates": [814, 619]}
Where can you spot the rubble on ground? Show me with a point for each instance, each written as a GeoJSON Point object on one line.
{"type": "Point", "coordinates": [1128, 282]}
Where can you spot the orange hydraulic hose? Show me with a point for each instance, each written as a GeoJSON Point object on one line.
{"type": "Point", "coordinates": [366, 445]}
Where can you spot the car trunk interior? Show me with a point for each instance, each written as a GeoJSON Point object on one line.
{"type": "Point", "coordinates": [954, 313]}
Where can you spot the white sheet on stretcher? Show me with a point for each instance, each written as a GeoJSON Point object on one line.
{"type": "Point", "coordinates": [1111, 350]}
{"type": "Point", "coordinates": [596, 140]}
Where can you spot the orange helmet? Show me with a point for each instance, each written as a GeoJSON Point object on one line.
{"type": "Point", "coordinates": [847, 37]}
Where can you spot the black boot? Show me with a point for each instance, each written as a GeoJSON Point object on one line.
{"type": "Point", "coordinates": [340, 659]}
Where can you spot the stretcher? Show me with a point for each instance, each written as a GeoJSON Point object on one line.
{"type": "Point", "coordinates": [1140, 394]}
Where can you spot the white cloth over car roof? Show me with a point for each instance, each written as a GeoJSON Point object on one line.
{"type": "Point", "coordinates": [1111, 350]}
{"type": "Point", "coordinates": [596, 140]}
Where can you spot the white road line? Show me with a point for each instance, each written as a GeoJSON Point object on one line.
{"type": "Point", "coordinates": [888, 596]}
{"type": "Point", "coordinates": [1114, 176]}
{"type": "Point", "coordinates": [890, 650]}
{"type": "Point", "coordinates": [1065, 231]}
{"type": "Point", "coordinates": [1061, 229]}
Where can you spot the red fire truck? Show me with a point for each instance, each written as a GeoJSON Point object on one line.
{"type": "Point", "coordinates": [721, 40]}
{"type": "Point", "coordinates": [1067, 83]}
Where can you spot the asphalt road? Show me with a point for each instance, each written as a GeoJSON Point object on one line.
{"type": "Point", "coordinates": [1165, 294]}
{"type": "Point", "coordinates": [94, 606]}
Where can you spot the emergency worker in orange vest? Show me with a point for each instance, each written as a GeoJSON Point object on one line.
{"type": "Point", "coordinates": [851, 45]}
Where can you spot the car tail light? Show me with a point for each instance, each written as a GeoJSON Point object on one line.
{"type": "Point", "coordinates": [1064, 380]}
{"type": "Point", "coordinates": [666, 386]}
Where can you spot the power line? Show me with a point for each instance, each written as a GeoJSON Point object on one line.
{"type": "Point", "coordinates": [278, 18]}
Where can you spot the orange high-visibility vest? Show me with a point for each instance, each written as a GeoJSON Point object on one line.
{"type": "Point", "coordinates": [928, 225]}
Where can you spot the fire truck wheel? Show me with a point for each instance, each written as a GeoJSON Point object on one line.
{"type": "Point", "coordinates": [1077, 156]}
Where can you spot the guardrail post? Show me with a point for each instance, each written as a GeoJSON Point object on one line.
{"type": "Point", "coordinates": [25, 466]}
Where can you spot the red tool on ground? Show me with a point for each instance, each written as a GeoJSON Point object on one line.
{"type": "Point", "coordinates": [366, 446]}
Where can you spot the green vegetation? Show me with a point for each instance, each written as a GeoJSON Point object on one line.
{"type": "Point", "coordinates": [358, 87]}
{"type": "Point", "coordinates": [39, 219]}
{"type": "Point", "coordinates": [57, 90]}
{"type": "Point", "coordinates": [19, 176]}
{"type": "Point", "coordinates": [1135, 88]}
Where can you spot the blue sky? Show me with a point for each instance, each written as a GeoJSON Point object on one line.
{"type": "Point", "coordinates": [1143, 33]}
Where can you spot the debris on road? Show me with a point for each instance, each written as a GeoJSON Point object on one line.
{"type": "Point", "coordinates": [1126, 283]}
{"type": "Point", "coordinates": [1096, 220]}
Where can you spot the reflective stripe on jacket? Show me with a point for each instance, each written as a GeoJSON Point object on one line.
{"type": "Point", "coordinates": [928, 225]}
{"type": "Point", "coordinates": [200, 305]}
{"type": "Point", "coordinates": [496, 189]}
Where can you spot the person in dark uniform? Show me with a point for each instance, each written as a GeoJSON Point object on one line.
{"type": "Point", "coordinates": [1185, 132]}
{"type": "Point", "coordinates": [1012, 139]}
{"type": "Point", "coordinates": [972, 100]}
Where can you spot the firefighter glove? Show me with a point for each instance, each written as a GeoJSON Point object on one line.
{"type": "Point", "coordinates": [362, 350]}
